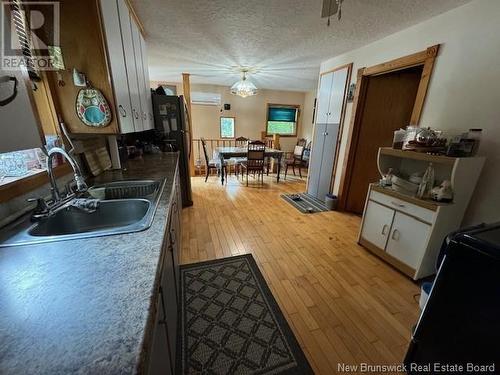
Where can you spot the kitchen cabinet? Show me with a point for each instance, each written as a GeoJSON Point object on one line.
{"type": "Point", "coordinates": [331, 94]}
{"type": "Point", "coordinates": [164, 347]}
{"type": "Point", "coordinates": [407, 239]}
{"type": "Point", "coordinates": [407, 231]}
{"type": "Point", "coordinates": [147, 94]}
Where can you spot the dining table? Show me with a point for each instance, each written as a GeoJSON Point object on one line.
{"type": "Point", "coordinates": [223, 153]}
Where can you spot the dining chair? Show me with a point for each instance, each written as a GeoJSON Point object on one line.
{"type": "Point", "coordinates": [210, 164]}
{"type": "Point", "coordinates": [239, 142]}
{"type": "Point", "coordinates": [295, 161]}
{"type": "Point", "coordinates": [255, 159]}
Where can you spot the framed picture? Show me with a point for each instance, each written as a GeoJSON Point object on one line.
{"type": "Point", "coordinates": [350, 92]}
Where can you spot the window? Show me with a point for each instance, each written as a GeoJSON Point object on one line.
{"type": "Point", "coordinates": [227, 127]}
{"type": "Point", "coordinates": [282, 119]}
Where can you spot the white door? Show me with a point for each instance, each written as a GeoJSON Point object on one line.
{"type": "Point", "coordinates": [316, 159]}
{"type": "Point", "coordinates": [136, 38]}
{"type": "Point", "coordinates": [322, 110]}
{"type": "Point", "coordinates": [337, 94]}
{"type": "Point", "coordinates": [328, 159]}
{"type": "Point", "coordinates": [408, 239]}
{"type": "Point", "coordinates": [117, 63]}
{"type": "Point", "coordinates": [149, 104]}
{"type": "Point", "coordinates": [130, 64]}
{"type": "Point", "coordinates": [377, 224]}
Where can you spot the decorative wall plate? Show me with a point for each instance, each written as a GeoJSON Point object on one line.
{"type": "Point", "coordinates": [92, 108]}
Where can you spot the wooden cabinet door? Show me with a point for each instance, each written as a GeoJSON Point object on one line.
{"type": "Point", "coordinates": [325, 85]}
{"type": "Point", "coordinates": [159, 357]}
{"type": "Point", "coordinates": [126, 24]}
{"type": "Point", "coordinates": [136, 39]}
{"type": "Point", "coordinates": [408, 239]}
{"type": "Point", "coordinates": [116, 58]}
{"type": "Point", "coordinates": [377, 222]}
{"type": "Point", "coordinates": [149, 104]}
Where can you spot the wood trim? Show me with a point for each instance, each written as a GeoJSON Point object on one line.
{"type": "Point", "coordinates": [25, 185]}
{"type": "Point", "coordinates": [425, 58]}
{"type": "Point", "coordinates": [352, 138]}
{"type": "Point", "coordinates": [296, 106]}
{"type": "Point", "coordinates": [234, 122]}
{"type": "Point", "coordinates": [424, 84]}
{"type": "Point", "coordinates": [404, 268]}
{"type": "Point", "coordinates": [186, 90]}
{"type": "Point", "coordinates": [342, 121]}
{"type": "Point", "coordinates": [136, 18]}
{"type": "Point", "coordinates": [408, 61]}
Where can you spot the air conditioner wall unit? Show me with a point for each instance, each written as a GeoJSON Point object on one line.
{"type": "Point", "coordinates": [205, 98]}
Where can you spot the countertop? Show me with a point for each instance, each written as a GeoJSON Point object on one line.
{"type": "Point", "coordinates": [84, 306]}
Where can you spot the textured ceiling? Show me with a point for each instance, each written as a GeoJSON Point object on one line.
{"type": "Point", "coordinates": [284, 40]}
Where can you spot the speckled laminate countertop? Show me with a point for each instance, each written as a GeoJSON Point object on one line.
{"type": "Point", "coordinates": [84, 306]}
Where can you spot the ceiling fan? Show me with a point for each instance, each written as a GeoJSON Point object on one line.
{"type": "Point", "coordinates": [331, 7]}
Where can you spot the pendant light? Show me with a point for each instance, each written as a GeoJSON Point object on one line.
{"type": "Point", "coordinates": [244, 87]}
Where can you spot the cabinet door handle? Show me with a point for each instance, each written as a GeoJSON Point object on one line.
{"type": "Point", "coordinates": [136, 114]}
{"type": "Point", "coordinates": [144, 116]}
{"type": "Point", "coordinates": [122, 111]}
{"type": "Point", "coordinates": [383, 229]}
{"type": "Point", "coordinates": [397, 204]}
{"type": "Point", "coordinates": [172, 238]}
{"type": "Point", "coordinates": [150, 116]}
{"type": "Point", "coordinates": [394, 232]}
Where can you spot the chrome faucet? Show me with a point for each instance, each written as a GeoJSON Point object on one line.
{"type": "Point", "coordinates": [81, 186]}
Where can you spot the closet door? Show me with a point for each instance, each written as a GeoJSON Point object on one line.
{"type": "Point", "coordinates": [316, 159]}
{"type": "Point", "coordinates": [136, 38]}
{"type": "Point", "coordinates": [126, 24]}
{"type": "Point", "coordinates": [149, 104]}
{"type": "Point", "coordinates": [325, 86]}
{"type": "Point", "coordinates": [329, 147]}
{"type": "Point", "coordinates": [337, 93]}
{"type": "Point", "coordinates": [116, 58]}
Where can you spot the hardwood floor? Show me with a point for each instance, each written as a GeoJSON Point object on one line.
{"type": "Point", "coordinates": [344, 304]}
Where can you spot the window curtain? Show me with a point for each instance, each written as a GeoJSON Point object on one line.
{"type": "Point", "coordinates": [282, 114]}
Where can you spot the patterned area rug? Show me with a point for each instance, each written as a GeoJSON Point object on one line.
{"type": "Point", "coordinates": [231, 324]}
{"type": "Point", "coordinates": [305, 203]}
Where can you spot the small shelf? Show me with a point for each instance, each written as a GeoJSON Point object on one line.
{"type": "Point", "coordinates": [417, 156]}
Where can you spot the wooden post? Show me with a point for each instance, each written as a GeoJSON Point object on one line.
{"type": "Point", "coordinates": [263, 135]}
{"type": "Point", "coordinates": [186, 87]}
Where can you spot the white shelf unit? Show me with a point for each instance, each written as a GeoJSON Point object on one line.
{"type": "Point", "coordinates": [406, 231]}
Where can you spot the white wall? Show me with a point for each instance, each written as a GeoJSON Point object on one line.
{"type": "Point", "coordinates": [464, 91]}
{"type": "Point", "coordinates": [307, 119]}
{"type": "Point", "coordinates": [250, 113]}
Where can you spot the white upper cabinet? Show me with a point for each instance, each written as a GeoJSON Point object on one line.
{"type": "Point", "coordinates": [325, 85]}
{"type": "Point", "coordinates": [117, 64]}
{"type": "Point", "coordinates": [126, 49]}
{"type": "Point", "coordinates": [149, 104]}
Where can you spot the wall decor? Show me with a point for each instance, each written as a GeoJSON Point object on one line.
{"type": "Point", "coordinates": [92, 108]}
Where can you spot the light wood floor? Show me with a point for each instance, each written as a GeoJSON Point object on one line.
{"type": "Point", "coordinates": [344, 304]}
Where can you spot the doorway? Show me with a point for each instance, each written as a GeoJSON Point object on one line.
{"type": "Point", "coordinates": [389, 96]}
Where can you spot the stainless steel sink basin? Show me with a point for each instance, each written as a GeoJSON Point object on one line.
{"type": "Point", "coordinates": [113, 216]}
{"type": "Point", "coordinates": [110, 214]}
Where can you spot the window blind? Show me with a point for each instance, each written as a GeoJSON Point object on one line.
{"type": "Point", "coordinates": [282, 114]}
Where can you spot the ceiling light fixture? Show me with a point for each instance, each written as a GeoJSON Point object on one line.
{"type": "Point", "coordinates": [244, 87]}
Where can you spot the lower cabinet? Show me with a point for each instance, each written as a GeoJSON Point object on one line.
{"type": "Point", "coordinates": [408, 239]}
{"type": "Point", "coordinates": [163, 353]}
{"type": "Point", "coordinates": [399, 237]}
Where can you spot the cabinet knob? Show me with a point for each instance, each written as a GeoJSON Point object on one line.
{"type": "Point", "coordinates": [394, 233]}
{"type": "Point", "coordinates": [384, 229]}
{"type": "Point", "coordinates": [144, 116]}
{"type": "Point", "coordinates": [397, 204]}
{"type": "Point", "coordinates": [122, 111]}
{"type": "Point", "coordinates": [136, 115]}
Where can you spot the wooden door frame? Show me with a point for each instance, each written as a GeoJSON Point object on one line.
{"type": "Point", "coordinates": [425, 59]}
{"type": "Point", "coordinates": [342, 118]}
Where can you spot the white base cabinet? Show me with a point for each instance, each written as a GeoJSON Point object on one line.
{"type": "Point", "coordinates": [406, 231]}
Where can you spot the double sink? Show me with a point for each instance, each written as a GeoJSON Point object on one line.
{"type": "Point", "coordinates": [123, 207]}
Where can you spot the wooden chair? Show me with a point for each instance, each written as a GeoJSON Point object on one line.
{"type": "Point", "coordinates": [255, 159]}
{"type": "Point", "coordinates": [295, 161]}
{"type": "Point", "coordinates": [302, 142]}
{"type": "Point", "coordinates": [239, 142]}
{"type": "Point", "coordinates": [210, 164]}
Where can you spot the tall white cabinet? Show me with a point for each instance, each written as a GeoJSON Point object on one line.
{"type": "Point", "coordinates": [331, 94]}
{"type": "Point", "coordinates": [127, 56]}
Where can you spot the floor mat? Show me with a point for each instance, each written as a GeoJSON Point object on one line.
{"type": "Point", "coordinates": [305, 203]}
{"type": "Point", "coordinates": [231, 323]}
